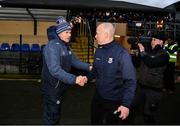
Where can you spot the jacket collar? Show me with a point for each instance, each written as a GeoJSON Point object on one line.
{"type": "Point", "coordinates": [108, 45]}
{"type": "Point", "coordinates": [63, 43]}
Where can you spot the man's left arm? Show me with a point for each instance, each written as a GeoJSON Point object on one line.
{"type": "Point", "coordinates": [129, 86]}
{"type": "Point", "coordinates": [129, 79]}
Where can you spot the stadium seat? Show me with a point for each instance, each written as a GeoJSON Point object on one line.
{"type": "Point", "coordinates": [15, 47]}
{"type": "Point", "coordinates": [35, 48]}
{"type": "Point", "coordinates": [25, 47]}
{"type": "Point", "coordinates": [42, 47]}
{"type": "Point", "coordinates": [5, 47]}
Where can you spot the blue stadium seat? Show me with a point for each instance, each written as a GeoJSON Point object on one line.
{"type": "Point", "coordinates": [35, 48]}
{"type": "Point", "coordinates": [15, 47]}
{"type": "Point", "coordinates": [5, 47]}
{"type": "Point", "coordinates": [25, 47]}
{"type": "Point", "coordinates": [42, 47]}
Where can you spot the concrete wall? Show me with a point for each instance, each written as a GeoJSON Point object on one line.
{"type": "Point", "coordinates": [10, 31]}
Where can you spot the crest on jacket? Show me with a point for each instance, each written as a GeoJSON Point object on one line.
{"type": "Point", "coordinates": [110, 60]}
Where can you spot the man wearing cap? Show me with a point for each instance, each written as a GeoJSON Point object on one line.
{"type": "Point", "coordinates": [57, 62]}
{"type": "Point", "coordinates": [150, 78]}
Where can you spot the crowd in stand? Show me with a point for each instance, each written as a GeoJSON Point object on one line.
{"type": "Point", "coordinates": [124, 15]}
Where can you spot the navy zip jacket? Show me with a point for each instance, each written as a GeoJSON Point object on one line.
{"type": "Point", "coordinates": [115, 73]}
{"type": "Point", "coordinates": [57, 62]}
{"type": "Point", "coordinates": [151, 71]}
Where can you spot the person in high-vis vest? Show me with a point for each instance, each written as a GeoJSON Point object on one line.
{"type": "Point", "coordinates": [169, 81]}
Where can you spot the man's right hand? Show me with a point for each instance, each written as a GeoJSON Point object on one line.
{"type": "Point", "coordinates": [141, 47]}
{"type": "Point", "coordinates": [81, 80]}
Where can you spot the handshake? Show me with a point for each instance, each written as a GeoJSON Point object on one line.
{"type": "Point", "coordinates": [81, 80]}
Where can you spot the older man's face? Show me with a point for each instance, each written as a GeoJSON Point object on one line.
{"type": "Point", "coordinates": [100, 35]}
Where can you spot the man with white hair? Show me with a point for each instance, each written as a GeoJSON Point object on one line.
{"type": "Point", "coordinates": [115, 79]}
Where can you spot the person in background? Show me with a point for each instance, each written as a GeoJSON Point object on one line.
{"type": "Point", "coordinates": [56, 77]}
{"type": "Point", "coordinates": [115, 79]}
{"type": "Point", "coordinates": [169, 77]}
{"type": "Point", "coordinates": [150, 79]}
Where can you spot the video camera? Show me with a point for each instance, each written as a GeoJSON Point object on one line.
{"type": "Point", "coordinates": [145, 41]}
{"type": "Point", "coordinates": [133, 41]}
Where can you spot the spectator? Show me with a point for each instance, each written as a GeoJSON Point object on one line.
{"type": "Point", "coordinates": [150, 79]}
{"type": "Point", "coordinates": [169, 78]}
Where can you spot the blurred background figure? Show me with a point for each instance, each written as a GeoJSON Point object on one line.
{"type": "Point", "coordinates": [169, 77]}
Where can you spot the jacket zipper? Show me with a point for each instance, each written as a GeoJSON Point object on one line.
{"type": "Point", "coordinates": [57, 84]}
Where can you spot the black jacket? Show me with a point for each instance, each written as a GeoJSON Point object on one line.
{"type": "Point", "coordinates": [151, 70]}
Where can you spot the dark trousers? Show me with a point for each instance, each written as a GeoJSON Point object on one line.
{"type": "Point", "coordinates": [52, 110]}
{"type": "Point", "coordinates": [102, 111]}
{"type": "Point", "coordinates": [146, 103]}
{"type": "Point", "coordinates": [169, 81]}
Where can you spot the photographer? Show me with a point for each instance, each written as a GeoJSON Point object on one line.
{"type": "Point", "coordinates": [134, 50]}
{"type": "Point", "coordinates": [150, 78]}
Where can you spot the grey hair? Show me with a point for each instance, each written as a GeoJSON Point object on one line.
{"type": "Point", "coordinates": [109, 28]}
